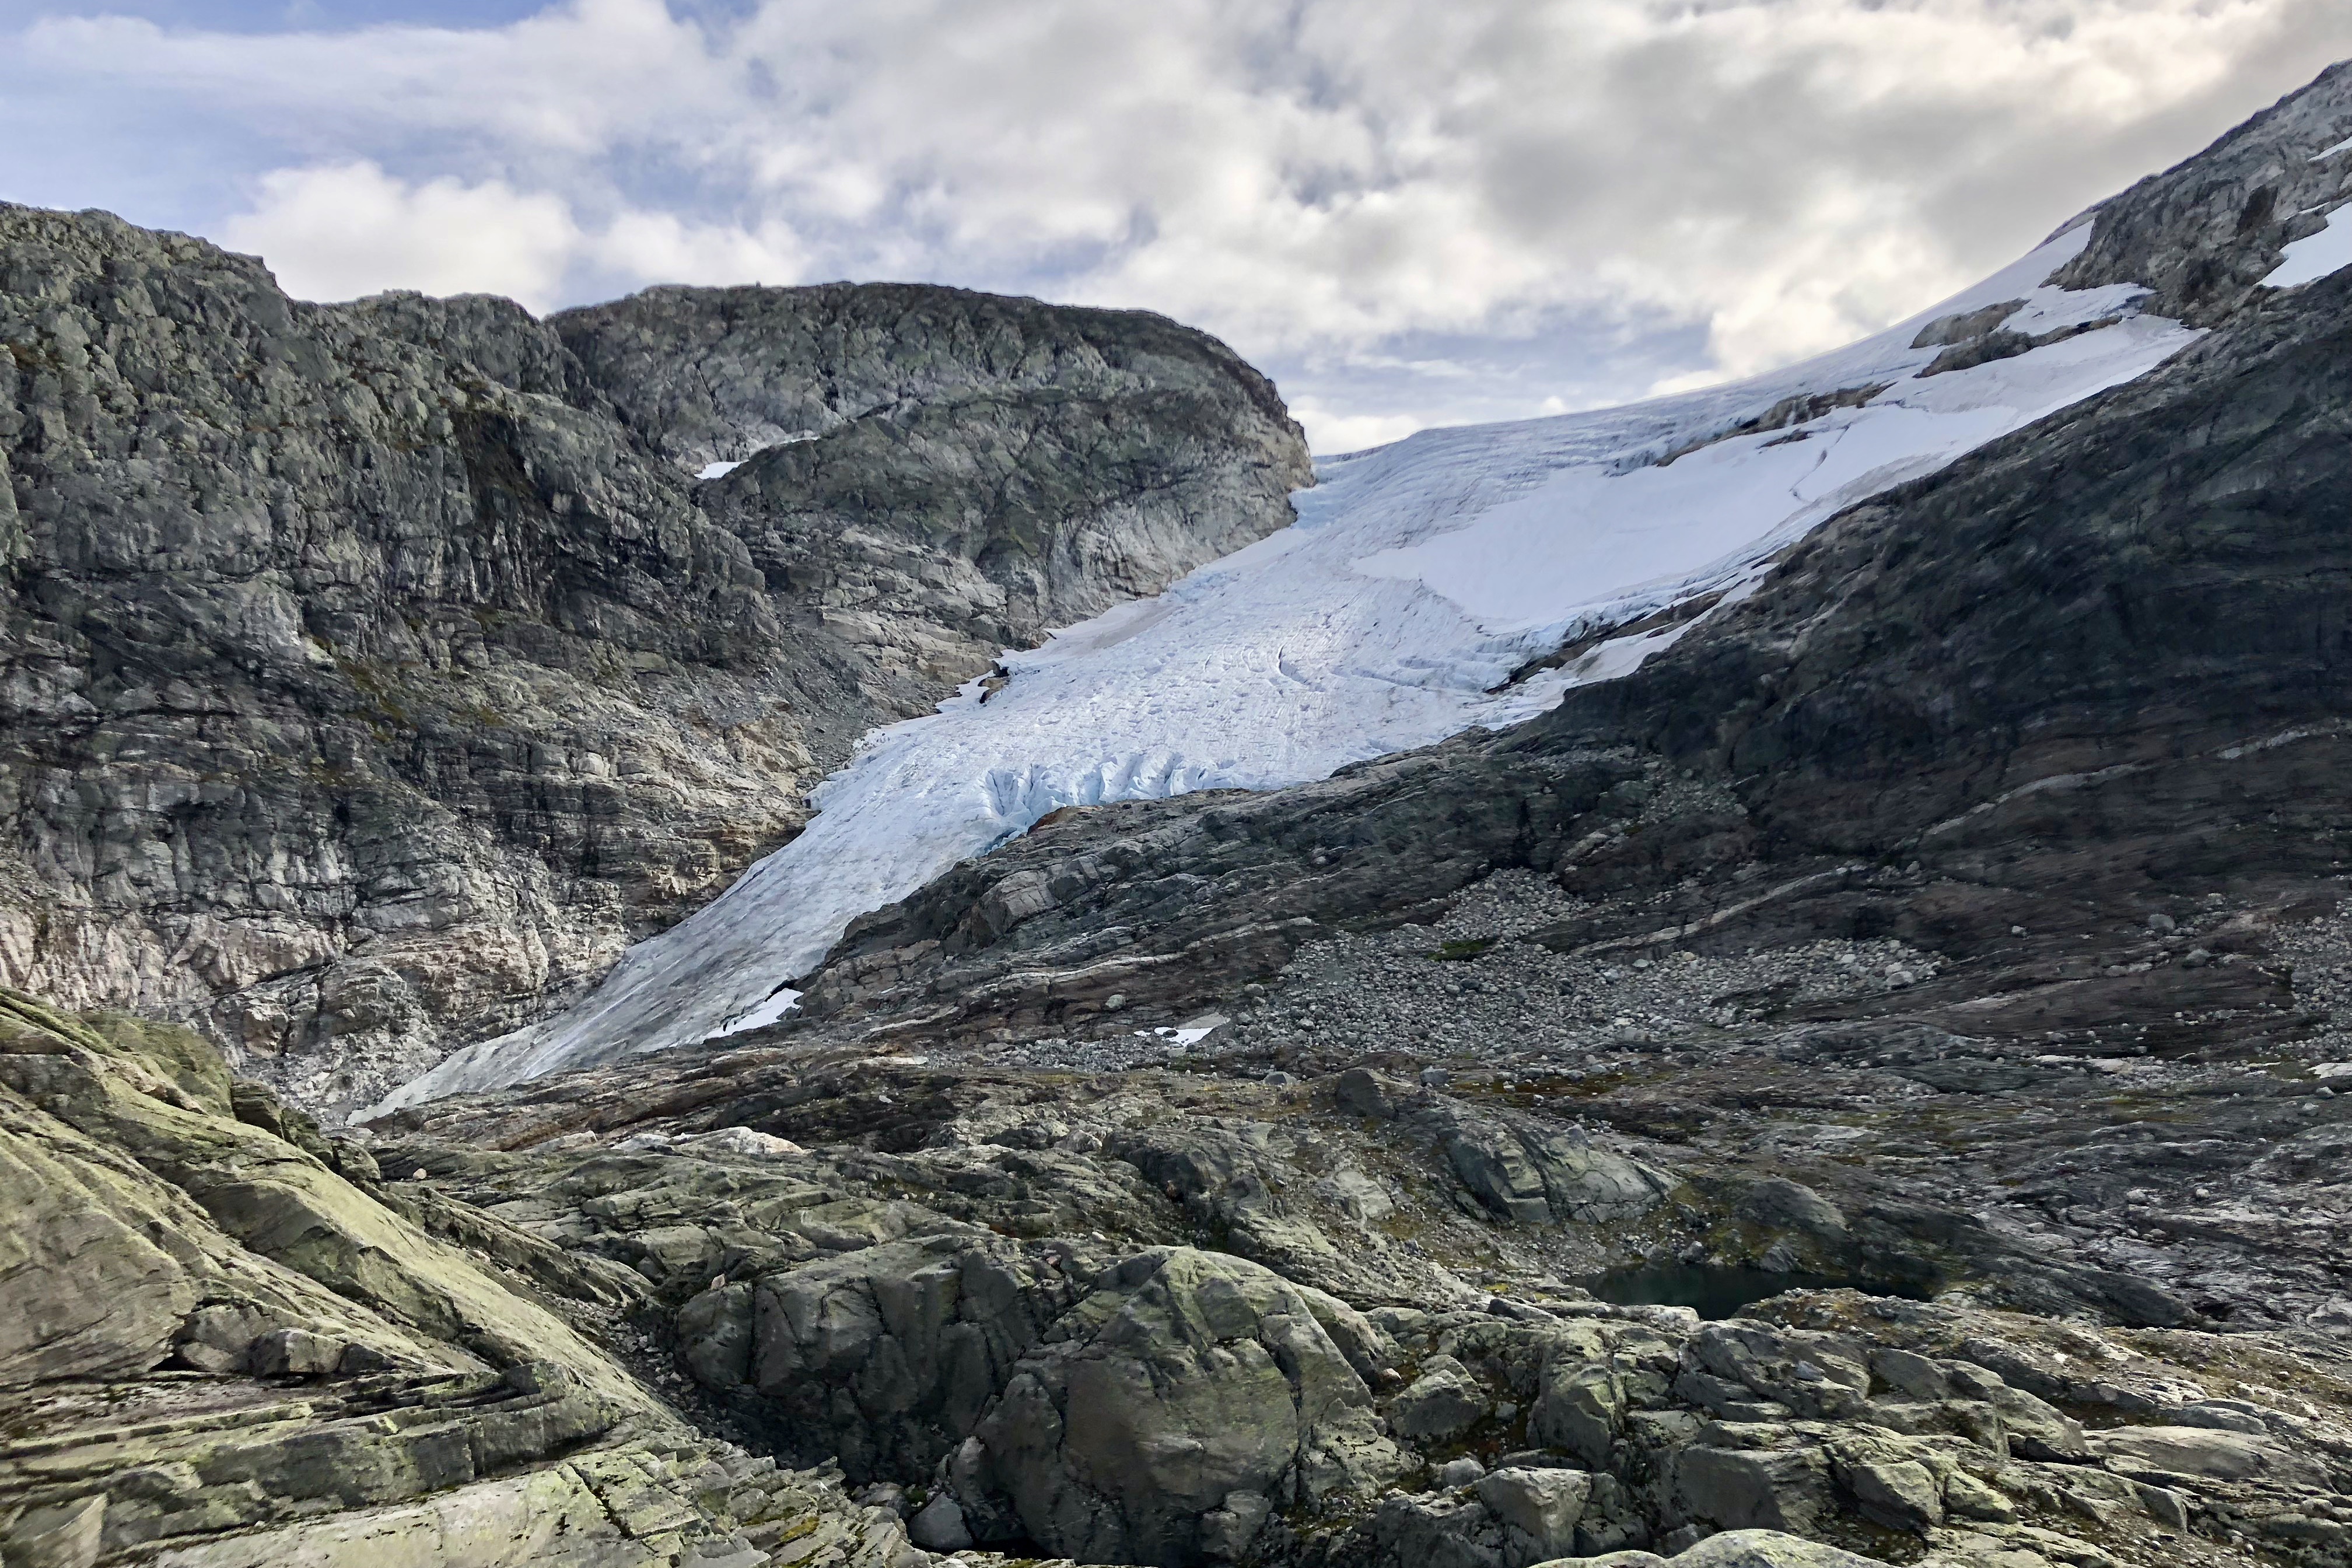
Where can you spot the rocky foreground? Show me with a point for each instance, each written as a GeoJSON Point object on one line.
{"type": "Point", "coordinates": [800, 1303]}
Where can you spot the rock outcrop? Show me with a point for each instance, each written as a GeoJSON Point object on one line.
{"type": "Point", "coordinates": [228, 1344]}
{"type": "Point", "coordinates": [374, 672]}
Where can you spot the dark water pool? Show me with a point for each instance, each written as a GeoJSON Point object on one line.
{"type": "Point", "coordinates": [1725, 1292]}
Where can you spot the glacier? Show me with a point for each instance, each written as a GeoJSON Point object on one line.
{"type": "Point", "coordinates": [1418, 580]}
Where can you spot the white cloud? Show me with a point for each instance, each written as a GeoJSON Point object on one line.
{"type": "Point", "coordinates": [662, 246]}
{"type": "Point", "coordinates": [1330, 431]}
{"type": "Point", "coordinates": [1314, 180]}
{"type": "Point", "coordinates": [341, 230]}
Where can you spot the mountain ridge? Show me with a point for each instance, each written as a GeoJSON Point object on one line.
{"type": "Point", "coordinates": [372, 683]}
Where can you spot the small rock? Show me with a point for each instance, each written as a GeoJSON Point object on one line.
{"type": "Point", "coordinates": [1459, 1472]}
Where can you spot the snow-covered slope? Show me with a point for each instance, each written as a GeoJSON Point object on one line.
{"type": "Point", "coordinates": [1417, 580]}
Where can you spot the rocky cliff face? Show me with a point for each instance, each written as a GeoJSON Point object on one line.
{"type": "Point", "coordinates": [930, 475]}
{"type": "Point", "coordinates": [373, 673]}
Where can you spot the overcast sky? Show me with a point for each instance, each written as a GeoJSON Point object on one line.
{"type": "Point", "coordinates": [1409, 212]}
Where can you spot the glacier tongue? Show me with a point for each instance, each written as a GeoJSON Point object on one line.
{"type": "Point", "coordinates": [1418, 578]}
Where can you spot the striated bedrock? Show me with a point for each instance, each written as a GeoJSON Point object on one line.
{"type": "Point", "coordinates": [371, 674]}
{"type": "Point", "coordinates": [230, 1343]}
{"type": "Point", "coordinates": [1174, 1315]}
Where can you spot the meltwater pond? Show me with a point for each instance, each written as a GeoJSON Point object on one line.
{"type": "Point", "coordinates": [1726, 1292]}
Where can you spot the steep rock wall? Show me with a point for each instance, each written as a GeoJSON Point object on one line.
{"type": "Point", "coordinates": [370, 675]}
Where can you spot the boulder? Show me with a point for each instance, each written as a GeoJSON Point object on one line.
{"type": "Point", "coordinates": [1540, 1509]}
{"type": "Point", "coordinates": [1443, 1402]}
{"type": "Point", "coordinates": [1364, 1092]}
{"type": "Point", "coordinates": [715, 1334]}
{"type": "Point", "coordinates": [1228, 1530]}
{"type": "Point", "coordinates": [1965, 1497]}
{"type": "Point", "coordinates": [939, 1525]}
{"type": "Point", "coordinates": [1580, 1406]}
{"type": "Point", "coordinates": [1737, 1488]}
{"type": "Point", "coordinates": [1184, 1378]}
{"type": "Point", "coordinates": [294, 1352]}
{"type": "Point", "coordinates": [889, 1354]}
{"type": "Point", "coordinates": [1779, 1204]}
{"type": "Point", "coordinates": [1494, 1164]}
{"type": "Point", "coordinates": [1431, 1529]}
{"type": "Point", "coordinates": [1900, 1494]}
{"type": "Point", "coordinates": [1534, 1173]}
{"type": "Point", "coordinates": [1820, 1376]}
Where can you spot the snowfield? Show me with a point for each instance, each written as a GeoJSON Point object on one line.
{"type": "Point", "coordinates": [1418, 578]}
{"type": "Point", "coordinates": [2314, 256]}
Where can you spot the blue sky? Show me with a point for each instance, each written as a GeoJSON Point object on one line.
{"type": "Point", "coordinates": [1408, 214]}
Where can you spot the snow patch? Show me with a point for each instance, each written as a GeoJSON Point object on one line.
{"type": "Point", "coordinates": [783, 1001]}
{"type": "Point", "coordinates": [1189, 1032]}
{"type": "Point", "coordinates": [716, 470]}
{"type": "Point", "coordinates": [1419, 578]}
{"type": "Point", "coordinates": [2313, 257]}
{"type": "Point", "coordinates": [2344, 145]}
